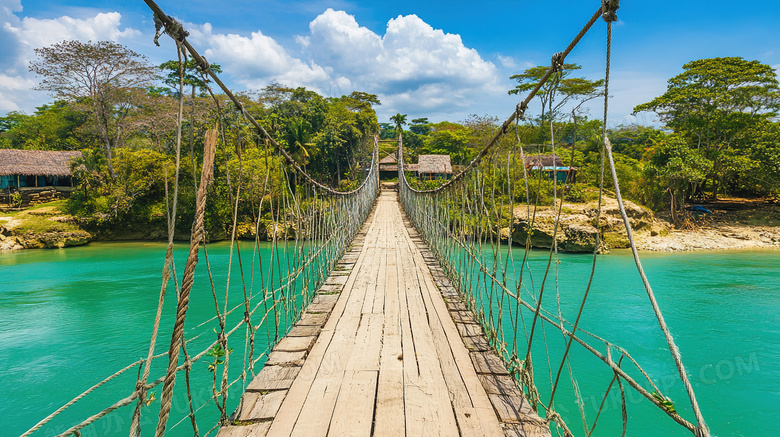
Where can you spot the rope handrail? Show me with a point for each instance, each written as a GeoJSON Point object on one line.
{"type": "Point", "coordinates": [135, 395]}
{"type": "Point", "coordinates": [466, 213]}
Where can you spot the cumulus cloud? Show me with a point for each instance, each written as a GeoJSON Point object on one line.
{"type": "Point", "coordinates": [412, 66]}
{"type": "Point", "coordinates": [255, 59]}
{"type": "Point", "coordinates": [20, 36]}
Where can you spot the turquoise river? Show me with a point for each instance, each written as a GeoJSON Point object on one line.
{"type": "Point", "coordinates": [69, 318]}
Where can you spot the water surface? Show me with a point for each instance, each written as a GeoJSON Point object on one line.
{"type": "Point", "coordinates": [69, 318]}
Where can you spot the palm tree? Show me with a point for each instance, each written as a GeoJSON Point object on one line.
{"type": "Point", "coordinates": [298, 138]}
{"type": "Point", "coordinates": [399, 120]}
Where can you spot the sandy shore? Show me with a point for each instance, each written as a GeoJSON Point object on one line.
{"type": "Point", "coordinates": [713, 237]}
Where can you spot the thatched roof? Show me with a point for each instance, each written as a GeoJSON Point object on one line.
{"type": "Point", "coordinates": [429, 164]}
{"type": "Point", "coordinates": [389, 159]}
{"type": "Point", "coordinates": [536, 161]}
{"type": "Point", "coordinates": [388, 167]}
{"type": "Point", "coordinates": [35, 162]}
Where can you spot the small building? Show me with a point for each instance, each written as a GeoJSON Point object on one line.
{"type": "Point", "coordinates": [553, 167]}
{"type": "Point", "coordinates": [388, 166]}
{"type": "Point", "coordinates": [431, 167]}
{"type": "Point", "coordinates": [39, 175]}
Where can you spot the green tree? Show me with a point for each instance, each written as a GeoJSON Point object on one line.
{"type": "Point", "coordinates": [420, 126]}
{"type": "Point", "coordinates": [191, 76]}
{"type": "Point", "coordinates": [399, 120]}
{"type": "Point", "coordinates": [103, 73]}
{"type": "Point", "coordinates": [56, 126]}
{"type": "Point", "coordinates": [299, 140]}
{"type": "Point", "coordinates": [678, 169]}
{"type": "Point", "coordinates": [716, 105]}
{"type": "Point", "coordinates": [448, 138]}
{"type": "Point", "coordinates": [559, 90]}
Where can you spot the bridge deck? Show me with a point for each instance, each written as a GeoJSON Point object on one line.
{"type": "Point", "coordinates": [390, 360]}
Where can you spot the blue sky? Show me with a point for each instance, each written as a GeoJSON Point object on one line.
{"type": "Point", "coordinates": [438, 59]}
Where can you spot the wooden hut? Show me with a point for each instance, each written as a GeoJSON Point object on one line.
{"type": "Point", "coordinates": [434, 167]}
{"type": "Point", "coordinates": [388, 166]}
{"type": "Point", "coordinates": [552, 166]}
{"type": "Point", "coordinates": [39, 175]}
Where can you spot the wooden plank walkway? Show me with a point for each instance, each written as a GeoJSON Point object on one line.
{"type": "Point", "coordinates": [379, 353]}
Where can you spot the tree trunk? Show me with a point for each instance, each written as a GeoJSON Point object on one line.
{"type": "Point", "coordinates": [102, 121]}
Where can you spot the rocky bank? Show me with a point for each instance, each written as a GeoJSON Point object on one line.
{"type": "Point", "coordinates": [43, 227]}
{"type": "Point", "coordinates": [579, 226]}
{"type": "Point", "coordinates": [577, 230]}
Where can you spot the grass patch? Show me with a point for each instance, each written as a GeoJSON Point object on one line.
{"type": "Point", "coordinates": [37, 219]}
{"type": "Point", "coordinates": [41, 225]}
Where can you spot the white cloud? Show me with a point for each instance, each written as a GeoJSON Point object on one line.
{"type": "Point", "coordinates": [20, 36]}
{"type": "Point", "coordinates": [411, 66]}
{"type": "Point", "coordinates": [42, 32]}
{"type": "Point", "coordinates": [16, 82]}
{"type": "Point", "coordinates": [256, 59]}
{"type": "Point", "coordinates": [507, 61]}
{"type": "Point", "coordinates": [32, 33]}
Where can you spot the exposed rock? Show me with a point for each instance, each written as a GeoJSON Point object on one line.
{"type": "Point", "coordinates": [280, 231]}
{"type": "Point", "coordinates": [579, 226]}
{"type": "Point", "coordinates": [53, 240]}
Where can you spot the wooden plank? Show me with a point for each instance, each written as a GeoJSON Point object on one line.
{"type": "Point", "coordinates": [476, 343]}
{"type": "Point", "coordinates": [304, 331]}
{"type": "Point", "coordinates": [310, 319]}
{"type": "Point", "coordinates": [389, 419]}
{"type": "Point", "coordinates": [470, 403]}
{"type": "Point", "coordinates": [284, 358]}
{"type": "Point", "coordinates": [273, 378]}
{"type": "Point", "coordinates": [354, 411]}
{"type": "Point", "coordinates": [295, 344]}
{"type": "Point", "coordinates": [499, 384]}
{"type": "Point", "coordinates": [253, 430]}
{"type": "Point", "coordinates": [527, 429]}
{"type": "Point", "coordinates": [427, 400]}
{"type": "Point", "coordinates": [257, 406]}
{"type": "Point", "coordinates": [328, 288]}
{"type": "Point", "coordinates": [511, 409]}
{"type": "Point", "coordinates": [462, 317]}
{"type": "Point", "coordinates": [455, 305]}
{"type": "Point", "coordinates": [314, 400]}
{"type": "Point", "coordinates": [469, 329]}
{"type": "Point", "coordinates": [390, 360]}
{"type": "Point", "coordinates": [488, 362]}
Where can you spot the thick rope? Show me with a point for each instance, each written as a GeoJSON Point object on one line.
{"type": "Point", "coordinates": [187, 281]}
{"type": "Point", "coordinates": [135, 428]}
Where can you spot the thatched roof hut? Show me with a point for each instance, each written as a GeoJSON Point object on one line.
{"type": "Point", "coordinates": [35, 162]}
{"type": "Point", "coordinates": [389, 159]}
{"type": "Point", "coordinates": [434, 164]}
{"type": "Point", "coordinates": [542, 161]}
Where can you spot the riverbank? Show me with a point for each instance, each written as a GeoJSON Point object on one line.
{"type": "Point", "coordinates": [42, 226]}
{"type": "Point", "coordinates": [733, 224]}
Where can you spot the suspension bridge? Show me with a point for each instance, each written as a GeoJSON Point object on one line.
{"type": "Point", "coordinates": [382, 311]}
